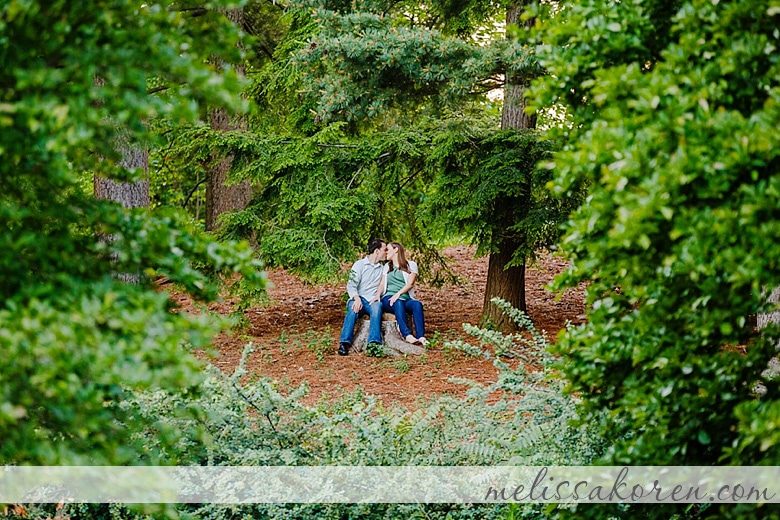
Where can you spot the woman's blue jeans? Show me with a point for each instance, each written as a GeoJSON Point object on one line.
{"type": "Point", "coordinates": [374, 312]}
{"type": "Point", "coordinates": [400, 308]}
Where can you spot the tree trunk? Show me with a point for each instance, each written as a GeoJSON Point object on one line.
{"type": "Point", "coordinates": [220, 197]}
{"type": "Point", "coordinates": [505, 283]}
{"type": "Point", "coordinates": [762, 320]}
{"type": "Point", "coordinates": [773, 317]}
{"type": "Point", "coordinates": [508, 283]}
{"type": "Point", "coordinates": [128, 194]}
{"type": "Point", "coordinates": [513, 112]}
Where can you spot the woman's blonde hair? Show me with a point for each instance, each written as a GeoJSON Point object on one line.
{"type": "Point", "coordinates": [403, 264]}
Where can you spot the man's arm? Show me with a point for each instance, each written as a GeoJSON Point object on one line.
{"type": "Point", "coordinates": [353, 282]}
{"type": "Point", "coordinates": [352, 286]}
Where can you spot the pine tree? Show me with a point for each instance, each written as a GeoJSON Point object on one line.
{"type": "Point", "coordinates": [387, 131]}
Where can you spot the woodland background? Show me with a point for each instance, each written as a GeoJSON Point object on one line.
{"type": "Point", "coordinates": [151, 149]}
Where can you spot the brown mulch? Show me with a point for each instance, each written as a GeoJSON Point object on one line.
{"type": "Point", "coordinates": [296, 334]}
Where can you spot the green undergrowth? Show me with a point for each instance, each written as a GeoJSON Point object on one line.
{"type": "Point", "coordinates": [248, 422]}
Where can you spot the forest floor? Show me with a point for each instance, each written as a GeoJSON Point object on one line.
{"type": "Point", "coordinates": [295, 335]}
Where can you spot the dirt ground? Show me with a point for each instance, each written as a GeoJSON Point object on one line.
{"type": "Point", "coordinates": [296, 335]}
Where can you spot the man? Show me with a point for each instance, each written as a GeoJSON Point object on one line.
{"type": "Point", "coordinates": [364, 278]}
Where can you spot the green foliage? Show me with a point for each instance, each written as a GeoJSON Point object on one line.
{"type": "Point", "coordinates": [267, 24]}
{"type": "Point", "coordinates": [434, 341]}
{"type": "Point", "coordinates": [371, 120]}
{"type": "Point", "coordinates": [252, 423]}
{"type": "Point", "coordinates": [375, 350]}
{"type": "Point", "coordinates": [490, 188]}
{"type": "Point", "coordinates": [281, 106]}
{"type": "Point", "coordinates": [420, 144]}
{"type": "Point", "coordinates": [374, 56]}
{"type": "Point", "coordinates": [70, 362]}
{"type": "Point", "coordinates": [402, 364]}
{"type": "Point", "coordinates": [108, 511]}
{"type": "Point", "coordinates": [176, 181]}
{"type": "Point", "coordinates": [546, 408]}
{"type": "Point", "coordinates": [304, 215]}
{"type": "Point", "coordinates": [78, 340]}
{"type": "Point", "coordinates": [674, 109]}
{"type": "Point", "coordinates": [321, 197]}
{"type": "Point", "coordinates": [319, 342]}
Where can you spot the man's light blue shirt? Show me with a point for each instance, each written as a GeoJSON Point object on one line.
{"type": "Point", "coordinates": [364, 278]}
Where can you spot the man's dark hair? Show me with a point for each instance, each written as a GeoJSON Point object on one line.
{"type": "Point", "coordinates": [374, 244]}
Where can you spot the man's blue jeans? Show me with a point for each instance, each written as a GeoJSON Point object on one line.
{"type": "Point", "coordinates": [374, 312]}
{"type": "Point", "coordinates": [400, 308]}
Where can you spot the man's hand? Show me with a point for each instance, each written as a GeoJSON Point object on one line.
{"type": "Point", "coordinates": [357, 305]}
{"type": "Point", "coordinates": [393, 299]}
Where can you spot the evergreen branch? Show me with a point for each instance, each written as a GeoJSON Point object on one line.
{"type": "Point", "coordinates": [324, 145]}
{"type": "Point", "coordinates": [194, 11]}
{"type": "Point", "coordinates": [268, 52]}
{"type": "Point", "coordinates": [192, 192]}
{"type": "Point", "coordinates": [354, 177]}
{"type": "Point", "coordinates": [327, 249]}
{"type": "Point", "coordinates": [408, 179]}
{"type": "Point", "coordinates": [264, 413]}
{"type": "Point", "coordinates": [321, 145]}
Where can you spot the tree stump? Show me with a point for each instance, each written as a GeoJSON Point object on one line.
{"type": "Point", "coordinates": [393, 342]}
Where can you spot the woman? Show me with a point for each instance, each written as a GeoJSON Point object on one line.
{"type": "Point", "coordinates": [396, 292]}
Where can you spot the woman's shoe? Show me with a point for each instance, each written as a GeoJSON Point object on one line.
{"type": "Point", "coordinates": [411, 339]}
{"type": "Point", "coordinates": [422, 341]}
